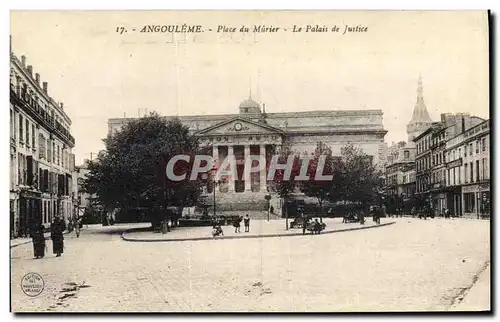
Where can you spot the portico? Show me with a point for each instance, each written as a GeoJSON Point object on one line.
{"type": "Point", "coordinates": [241, 138]}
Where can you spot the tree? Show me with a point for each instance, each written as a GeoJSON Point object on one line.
{"type": "Point", "coordinates": [281, 185]}
{"type": "Point", "coordinates": [359, 180]}
{"type": "Point", "coordinates": [320, 189]}
{"type": "Point", "coordinates": [131, 173]}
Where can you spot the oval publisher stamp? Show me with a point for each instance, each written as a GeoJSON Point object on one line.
{"type": "Point", "coordinates": [32, 284]}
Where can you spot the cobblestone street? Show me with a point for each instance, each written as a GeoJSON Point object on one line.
{"type": "Point", "coordinates": [412, 265]}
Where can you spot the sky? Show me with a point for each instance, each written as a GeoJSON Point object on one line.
{"type": "Point", "coordinates": [99, 73]}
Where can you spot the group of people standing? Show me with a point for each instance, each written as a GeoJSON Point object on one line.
{"type": "Point", "coordinates": [237, 223]}
{"type": "Point", "coordinates": [56, 235]}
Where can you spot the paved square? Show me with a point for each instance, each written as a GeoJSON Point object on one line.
{"type": "Point", "coordinates": [416, 265]}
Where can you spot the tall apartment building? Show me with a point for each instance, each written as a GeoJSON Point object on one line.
{"type": "Point", "coordinates": [468, 171]}
{"type": "Point", "coordinates": [41, 158]}
{"type": "Point", "coordinates": [432, 162]}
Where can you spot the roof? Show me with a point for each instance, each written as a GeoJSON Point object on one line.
{"type": "Point", "coordinates": [420, 113]}
{"type": "Point", "coordinates": [249, 103]}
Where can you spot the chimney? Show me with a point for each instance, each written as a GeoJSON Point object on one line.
{"type": "Point", "coordinates": [45, 87]}
{"type": "Point", "coordinates": [23, 60]}
{"type": "Point", "coordinates": [62, 105]}
{"type": "Point", "coordinates": [30, 70]}
{"type": "Point", "coordinates": [37, 79]}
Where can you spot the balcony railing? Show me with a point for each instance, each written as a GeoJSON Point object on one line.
{"type": "Point", "coordinates": [43, 117]}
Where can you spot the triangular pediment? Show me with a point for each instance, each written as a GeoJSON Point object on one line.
{"type": "Point", "coordinates": [239, 125]}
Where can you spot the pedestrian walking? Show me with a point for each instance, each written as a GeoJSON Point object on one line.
{"type": "Point", "coordinates": [56, 234]}
{"type": "Point", "coordinates": [247, 223]}
{"type": "Point", "coordinates": [39, 244]}
{"type": "Point", "coordinates": [78, 227]}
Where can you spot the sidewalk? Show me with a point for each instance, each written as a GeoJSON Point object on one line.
{"type": "Point", "coordinates": [25, 240]}
{"type": "Point", "coordinates": [258, 229]}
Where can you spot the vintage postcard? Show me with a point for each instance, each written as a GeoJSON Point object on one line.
{"type": "Point", "coordinates": [250, 161]}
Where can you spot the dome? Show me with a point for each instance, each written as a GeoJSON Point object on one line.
{"type": "Point", "coordinates": [249, 103]}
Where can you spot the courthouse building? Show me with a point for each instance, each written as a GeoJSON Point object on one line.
{"type": "Point", "coordinates": [41, 158]}
{"type": "Point", "coordinates": [253, 131]}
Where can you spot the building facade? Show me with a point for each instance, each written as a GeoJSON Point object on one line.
{"type": "Point", "coordinates": [433, 161]}
{"type": "Point", "coordinates": [41, 158]}
{"type": "Point", "coordinates": [400, 167]}
{"type": "Point", "coordinates": [252, 131]}
{"type": "Point", "coordinates": [400, 177]}
{"type": "Point", "coordinates": [468, 171]}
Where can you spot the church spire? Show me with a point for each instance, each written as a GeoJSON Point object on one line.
{"type": "Point", "coordinates": [420, 114]}
{"type": "Point", "coordinates": [250, 87]}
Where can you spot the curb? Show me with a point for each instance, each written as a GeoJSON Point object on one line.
{"type": "Point", "coordinates": [123, 235]}
{"type": "Point", "coordinates": [30, 241]}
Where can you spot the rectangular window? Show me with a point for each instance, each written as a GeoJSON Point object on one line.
{"type": "Point", "coordinates": [41, 146]}
{"type": "Point", "coordinates": [466, 173]}
{"type": "Point", "coordinates": [53, 152]}
{"type": "Point", "coordinates": [459, 169]}
{"type": "Point", "coordinates": [470, 148]}
{"type": "Point", "coordinates": [12, 130]}
{"type": "Point", "coordinates": [477, 146]}
{"type": "Point", "coordinates": [484, 144]}
{"type": "Point", "coordinates": [487, 165]}
{"type": "Point", "coordinates": [459, 152]}
{"type": "Point", "coordinates": [465, 150]}
{"type": "Point", "coordinates": [21, 131]}
{"type": "Point", "coordinates": [33, 136]}
{"type": "Point", "coordinates": [477, 170]}
{"type": "Point", "coordinates": [27, 132]}
{"type": "Point", "coordinates": [484, 169]}
{"type": "Point", "coordinates": [49, 151]}
{"type": "Point", "coordinates": [471, 172]}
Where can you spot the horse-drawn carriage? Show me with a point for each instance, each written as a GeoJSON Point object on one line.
{"type": "Point", "coordinates": [350, 218]}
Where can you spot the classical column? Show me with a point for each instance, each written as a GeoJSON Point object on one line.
{"type": "Point", "coordinates": [215, 157]}
{"type": "Point", "coordinates": [248, 183]}
{"type": "Point", "coordinates": [230, 154]}
{"type": "Point", "coordinates": [263, 180]}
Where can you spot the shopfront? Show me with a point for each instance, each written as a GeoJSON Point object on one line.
{"type": "Point", "coordinates": [29, 212]}
{"type": "Point", "coordinates": [476, 200]}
